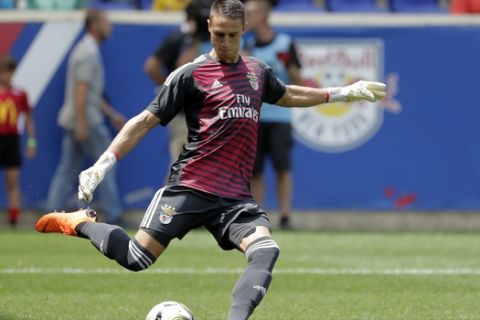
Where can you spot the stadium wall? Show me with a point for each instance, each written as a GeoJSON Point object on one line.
{"type": "Point", "coordinates": [418, 150]}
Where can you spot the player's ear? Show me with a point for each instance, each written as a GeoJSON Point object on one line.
{"type": "Point", "coordinates": [208, 22]}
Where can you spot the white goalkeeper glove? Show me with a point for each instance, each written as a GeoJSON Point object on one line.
{"type": "Point", "coordinates": [91, 178]}
{"type": "Point", "coordinates": [360, 90]}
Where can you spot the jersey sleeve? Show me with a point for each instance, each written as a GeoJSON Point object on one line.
{"type": "Point", "coordinates": [172, 96]}
{"type": "Point", "coordinates": [273, 87]}
{"type": "Point", "coordinates": [85, 68]}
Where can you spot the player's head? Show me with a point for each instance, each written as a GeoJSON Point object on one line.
{"type": "Point", "coordinates": [7, 68]}
{"type": "Point", "coordinates": [226, 25]}
{"type": "Point", "coordinates": [98, 24]}
{"type": "Point", "coordinates": [257, 13]}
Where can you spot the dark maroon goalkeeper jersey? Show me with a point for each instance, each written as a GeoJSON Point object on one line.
{"type": "Point", "coordinates": [222, 107]}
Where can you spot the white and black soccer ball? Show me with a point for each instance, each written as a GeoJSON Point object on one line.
{"type": "Point", "coordinates": [170, 310]}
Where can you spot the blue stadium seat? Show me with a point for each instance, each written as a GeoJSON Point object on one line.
{"type": "Point", "coordinates": [298, 5]}
{"type": "Point", "coordinates": [353, 6]}
{"type": "Point", "coordinates": [416, 6]}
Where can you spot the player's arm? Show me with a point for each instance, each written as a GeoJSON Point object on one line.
{"type": "Point", "coordinates": [132, 132]}
{"type": "Point", "coordinates": [128, 137]}
{"type": "Point", "coordinates": [302, 97]}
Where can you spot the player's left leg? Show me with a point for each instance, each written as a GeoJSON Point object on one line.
{"type": "Point", "coordinates": [13, 194]}
{"type": "Point", "coordinates": [250, 233]}
{"type": "Point", "coordinates": [262, 253]}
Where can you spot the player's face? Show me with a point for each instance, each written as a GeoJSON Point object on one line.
{"type": "Point", "coordinates": [225, 35]}
{"type": "Point", "coordinates": [257, 12]}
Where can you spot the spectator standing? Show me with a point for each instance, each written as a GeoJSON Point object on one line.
{"type": "Point", "coordinates": [13, 103]}
{"type": "Point", "coordinates": [82, 117]}
{"type": "Point", "coordinates": [180, 47]}
{"type": "Point", "coordinates": [275, 137]}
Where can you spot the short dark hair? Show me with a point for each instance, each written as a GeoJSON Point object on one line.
{"type": "Point", "coordinates": [7, 63]}
{"type": "Point", "coordinates": [232, 9]}
{"type": "Point", "coordinates": [92, 16]}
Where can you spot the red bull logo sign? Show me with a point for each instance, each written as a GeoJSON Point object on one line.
{"type": "Point", "coordinates": [339, 127]}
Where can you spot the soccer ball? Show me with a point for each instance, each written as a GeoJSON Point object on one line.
{"type": "Point", "coordinates": [170, 310]}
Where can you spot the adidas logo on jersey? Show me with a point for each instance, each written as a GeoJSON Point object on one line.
{"type": "Point", "coordinates": [216, 84]}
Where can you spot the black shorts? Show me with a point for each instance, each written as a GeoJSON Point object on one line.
{"type": "Point", "coordinates": [10, 153]}
{"type": "Point", "coordinates": [176, 210]}
{"type": "Point", "coordinates": [274, 139]}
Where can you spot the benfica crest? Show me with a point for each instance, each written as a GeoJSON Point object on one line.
{"type": "Point", "coordinates": [252, 78]}
{"type": "Point", "coordinates": [167, 214]}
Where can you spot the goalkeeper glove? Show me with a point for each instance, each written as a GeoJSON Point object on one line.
{"type": "Point", "coordinates": [360, 90]}
{"type": "Point", "coordinates": [89, 179]}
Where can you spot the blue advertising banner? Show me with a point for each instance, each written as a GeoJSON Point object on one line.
{"type": "Point", "coordinates": [418, 149]}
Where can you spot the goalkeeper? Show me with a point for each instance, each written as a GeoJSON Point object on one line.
{"type": "Point", "coordinates": [221, 94]}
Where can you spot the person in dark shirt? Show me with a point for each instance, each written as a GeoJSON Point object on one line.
{"type": "Point", "coordinates": [221, 94]}
{"type": "Point", "coordinates": [180, 47]}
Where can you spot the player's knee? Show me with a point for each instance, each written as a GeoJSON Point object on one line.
{"type": "Point", "coordinates": [138, 257]}
{"type": "Point", "coordinates": [264, 250]}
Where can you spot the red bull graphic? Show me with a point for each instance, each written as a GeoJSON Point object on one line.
{"type": "Point", "coordinates": [339, 127]}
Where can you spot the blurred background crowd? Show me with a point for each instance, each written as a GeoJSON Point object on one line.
{"type": "Point", "coordinates": [420, 6]}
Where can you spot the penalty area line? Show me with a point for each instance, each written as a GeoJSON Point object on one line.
{"type": "Point", "coordinates": [288, 271]}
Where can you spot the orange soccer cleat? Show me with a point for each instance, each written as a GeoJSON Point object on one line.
{"type": "Point", "coordinates": [64, 222]}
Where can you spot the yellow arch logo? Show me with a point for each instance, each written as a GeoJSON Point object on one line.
{"type": "Point", "coordinates": [8, 112]}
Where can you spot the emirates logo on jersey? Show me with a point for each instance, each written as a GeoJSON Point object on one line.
{"type": "Point", "coordinates": [252, 78]}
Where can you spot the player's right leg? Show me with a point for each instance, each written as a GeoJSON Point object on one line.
{"type": "Point", "coordinates": [134, 254]}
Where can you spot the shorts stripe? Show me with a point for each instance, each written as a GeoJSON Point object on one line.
{"type": "Point", "coordinates": [270, 243]}
{"type": "Point", "coordinates": [147, 219]}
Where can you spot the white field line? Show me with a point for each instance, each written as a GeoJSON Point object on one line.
{"type": "Point", "coordinates": [208, 271]}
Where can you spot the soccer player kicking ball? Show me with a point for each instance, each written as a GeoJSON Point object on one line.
{"type": "Point", "coordinates": [221, 93]}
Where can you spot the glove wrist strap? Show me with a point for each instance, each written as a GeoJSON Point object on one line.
{"type": "Point", "coordinates": [336, 94]}
{"type": "Point", "coordinates": [106, 161]}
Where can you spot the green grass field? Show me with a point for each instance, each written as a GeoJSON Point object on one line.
{"type": "Point", "coordinates": [318, 276]}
